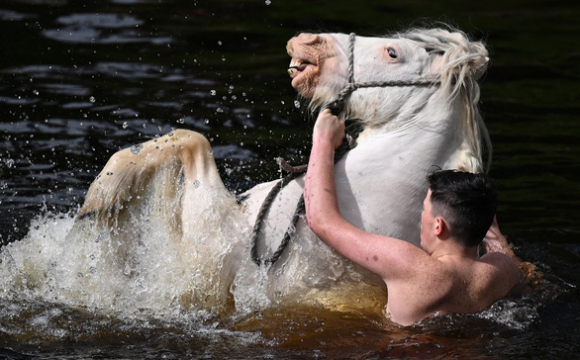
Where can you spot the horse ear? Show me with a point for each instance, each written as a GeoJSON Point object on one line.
{"type": "Point", "coordinates": [478, 66]}
{"type": "Point", "coordinates": [476, 59]}
{"type": "Point", "coordinates": [472, 64]}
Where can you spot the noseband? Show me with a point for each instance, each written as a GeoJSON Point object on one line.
{"type": "Point", "coordinates": [336, 106]}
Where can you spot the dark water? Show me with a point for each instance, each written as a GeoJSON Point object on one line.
{"type": "Point", "coordinates": [80, 80]}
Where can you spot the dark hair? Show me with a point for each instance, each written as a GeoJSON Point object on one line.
{"type": "Point", "coordinates": [466, 200]}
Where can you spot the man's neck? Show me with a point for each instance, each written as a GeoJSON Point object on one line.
{"type": "Point", "coordinates": [450, 249]}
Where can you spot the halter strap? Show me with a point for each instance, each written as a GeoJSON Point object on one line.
{"type": "Point", "coordinates": [338, 104]}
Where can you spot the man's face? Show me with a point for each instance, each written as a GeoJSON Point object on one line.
{"type": "Point", "coordinates": [427, 223]}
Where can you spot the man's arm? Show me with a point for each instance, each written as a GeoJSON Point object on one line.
{"type": "Point", "coordinates": [494, 241]}
{"type": "Point", "coordinates": [388, 257]}
{"type": "Point", "coordinates": [519, 274]}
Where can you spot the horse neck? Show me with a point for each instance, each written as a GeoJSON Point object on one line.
{"type": "Point", "coordinates": [430, 123]}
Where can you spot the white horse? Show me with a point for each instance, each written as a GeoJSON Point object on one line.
{"type": "Point", "coordinates": [171, 183]}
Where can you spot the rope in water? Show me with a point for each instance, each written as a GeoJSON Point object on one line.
{"type": "Point", "coordinates": [337, 106]}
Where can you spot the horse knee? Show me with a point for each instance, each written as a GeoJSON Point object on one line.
{"type": "Point", "coordinates": [190, 140]}
{"type": "Point", "coordinates": [192, 148]}
{"type": "Point", "coordinates": [196, 157]}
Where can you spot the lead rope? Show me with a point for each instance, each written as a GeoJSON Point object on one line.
{"type": "Point", "coordinates": [336, 107]}
{"type": "Point", "coordinates": [294, 173]}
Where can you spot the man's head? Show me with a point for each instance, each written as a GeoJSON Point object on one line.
{"type": "Point", "coordinates": [466, 201]}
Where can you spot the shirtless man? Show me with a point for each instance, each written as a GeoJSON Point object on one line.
{"type": "Point", "coordinates": [446, 275]}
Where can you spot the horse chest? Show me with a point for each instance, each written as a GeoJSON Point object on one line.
{"type": "Point", "coordinates": [381, 188]}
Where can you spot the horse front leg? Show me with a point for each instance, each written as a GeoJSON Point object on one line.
{"type": "Point", "coordinates": [172, 183]}
{"type": "Point", "coordinates": [127, 175]}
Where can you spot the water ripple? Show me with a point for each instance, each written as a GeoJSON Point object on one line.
{"type": "Point", "coordinates": [131, 70]}
{"type": "Point", "coordinates": [107, 21]}
{"type": "Point", "coordinates": [102, 29]}
{"type": "Point", "coordinates": [9, 15]}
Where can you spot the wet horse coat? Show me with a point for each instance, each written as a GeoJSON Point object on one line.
{"type": "Point", "coordinates": [408, 132]}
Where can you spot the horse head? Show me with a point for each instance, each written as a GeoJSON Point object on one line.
{"type": "Point", "coordinates": [422, 76]}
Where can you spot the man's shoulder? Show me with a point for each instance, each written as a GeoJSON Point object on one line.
{"type": "Point", "coordinates": [430, 277]}
{"type": "Point", "coordinates": [499, 259]}
{"type": "Point", "coordinates": [502, 269]}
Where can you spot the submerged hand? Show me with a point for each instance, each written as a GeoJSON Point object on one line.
{"type": "Point", "coordinates": [328, 128]}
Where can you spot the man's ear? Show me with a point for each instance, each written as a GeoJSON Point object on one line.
{"type": "Point", "coordinates": [441, 228]}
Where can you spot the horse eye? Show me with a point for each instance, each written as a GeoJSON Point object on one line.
{"type": "Point", "coordinates": [392, 53]}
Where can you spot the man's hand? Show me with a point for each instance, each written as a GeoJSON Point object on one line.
{"type": "Point", "coordinates": [328, 128]}
{"type": "Point", "coordinates": [494, 241]}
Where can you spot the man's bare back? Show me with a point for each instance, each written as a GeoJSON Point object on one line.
{"type": "Point", "coordinates": [446, 276]}
{"type": "Point", "coordinates": [451, 285]}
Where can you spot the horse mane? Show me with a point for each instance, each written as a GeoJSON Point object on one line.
{"type": "Point", "coordinates": [465, 62]}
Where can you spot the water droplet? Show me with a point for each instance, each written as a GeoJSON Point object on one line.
{"type": "Point", "coordinates": [125, 125]}
{"type": "Point", "coordinates": [297, 104]}
{"type": "Point", "coordinates": [213, 92]}
{"type": "Point", "coordinates": [181, 120]}
{"type": "Point", "coordinates": [268, 2]}
{"type": "Point", "coordinates": [136, 149]}
{"type": "Point", "coordinates": [92, 99]}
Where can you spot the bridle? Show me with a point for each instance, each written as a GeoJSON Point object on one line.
{"type": "Point", "coordinates": [336, 106]}
{"type": "Point", "coordinates": [352, 85]}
